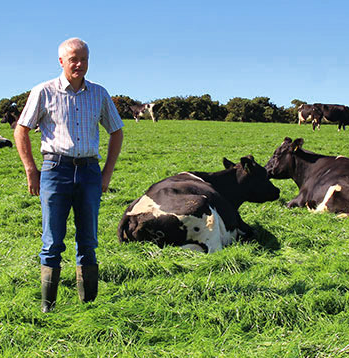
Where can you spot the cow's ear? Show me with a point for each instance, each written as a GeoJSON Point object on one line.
{"type": "Point", "coordinates": [227, 163]}
{"type": "Point", "coordinates": [297, 144]}
{"type": "Point", "coordinates": [247, 163]}
{"type": "Point", "coordinates": [287, 140]}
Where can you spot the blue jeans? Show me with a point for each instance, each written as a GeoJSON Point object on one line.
{"type": "Point", "coordinates": [62, 186]}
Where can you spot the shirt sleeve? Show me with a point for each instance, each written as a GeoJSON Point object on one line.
{"type": "Point", "coordinates": [30, 115]}
{"type": "Point", "coordinates": [111, 119]}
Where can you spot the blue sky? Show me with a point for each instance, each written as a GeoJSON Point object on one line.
{"type": "Point", "coordinates": [154, 49]}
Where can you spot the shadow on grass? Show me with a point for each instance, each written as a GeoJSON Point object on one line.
{"type": "Point", "coordinates": [283, 202]}
{"type": "Point", "coordinates": [264, 238]}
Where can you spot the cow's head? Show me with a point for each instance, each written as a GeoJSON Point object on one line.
{"type": "Point", "coordinates": [8, 118]}
{"type": "Point", "coordinates": [281, 164]}
{"type": "Point", "coordinates": [253, 180]}
{"type": "Point", "coordinates": [14, 109]}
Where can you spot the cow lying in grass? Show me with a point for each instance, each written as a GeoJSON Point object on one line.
{"type": "Point", "coordinates": [4, 142]}
{"type": "Point", "coordinates": [323, 181]}
{"type": "Point", "coordinates": [198, 210]}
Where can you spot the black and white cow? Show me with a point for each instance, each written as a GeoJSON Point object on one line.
{"type": "Point", "coordinates": [198, 210]}
{"type": "Point", "coordinates": [139, 110]}
{"type": "Point", "coordinates": [4, 142]}
{"type": "Point", "coordinates": [335, 113]}
{"type": "Point", "coordinates": [323, 181]}
{"type": "Point", "coordinates": [310, 112]}
{"type": "Point", "coordinates": [304, 113]}
{"type": "Point", "coordinates": [316, 112]}
{"type": "Point", "coordinates": [11, 118]}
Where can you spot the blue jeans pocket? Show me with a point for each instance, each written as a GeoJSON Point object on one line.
{"type": "Point", "coordinates": [95, 168]}
{"type": "Point", "coordinates": [48, 165]}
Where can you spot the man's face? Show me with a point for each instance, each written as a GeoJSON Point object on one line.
{"type": "Point", "coordinates": [74, 63]}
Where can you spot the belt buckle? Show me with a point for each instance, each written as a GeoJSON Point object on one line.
{"type": "Point", "coordinates": [80, 162]}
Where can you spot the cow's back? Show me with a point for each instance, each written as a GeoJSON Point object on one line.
{"type": "Point", "coordinates": [327, 173]}
{"type": "Point", "coordinates": [180, 210]}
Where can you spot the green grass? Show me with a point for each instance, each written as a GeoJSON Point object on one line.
{"type": "Point", "coordinates": [284, 295]}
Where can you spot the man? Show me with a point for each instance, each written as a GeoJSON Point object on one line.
{"type": "Point", "coordinates": [68, 110]}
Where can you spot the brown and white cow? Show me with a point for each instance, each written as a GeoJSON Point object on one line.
{"type": "Point", "coordinates": [323, 181]}
{"type": "Point", "coordinates": [139, 110]}
{"type": "Point", "coordinates": [198, 210]}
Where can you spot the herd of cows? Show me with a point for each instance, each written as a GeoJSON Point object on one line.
{"type": "Point", "coordinates": [199, 210]}
{"type": "Point", "coordinates": [317, 112]}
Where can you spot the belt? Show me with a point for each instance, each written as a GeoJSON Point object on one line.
{"type": "Point", "coordinates": [80, 162]}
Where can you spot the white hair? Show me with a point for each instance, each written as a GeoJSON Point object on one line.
{"type": "Point", "coordinates": [72, 43]}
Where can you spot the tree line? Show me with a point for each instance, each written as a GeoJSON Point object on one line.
{"type": "Point", "coordinates": [202, 108]}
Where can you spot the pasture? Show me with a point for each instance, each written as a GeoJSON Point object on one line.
{"type": "Point", "coordinates": [286, 294]}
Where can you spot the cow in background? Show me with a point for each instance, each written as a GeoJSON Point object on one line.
{"type": "Point", "coordinates": [139, 110]}
{"type": "Point", "coordinates": [11, 119]}
{"type": "Point", "coordinates": [334, 113]}
{"type": "Point", "coordinates": [11, 116]}
{"type": "Point", "coordinates": [323, 181]}
{"type": "Point", "coordinates": [198, 210]}
{"type": "Point", "coordinates": [4, 142]}
{"type": "Point", "coordinates": [310, 112]}
{"type": "Point", "coordinates": [317, 112]}
{"type": "Point", "coordinates": [304, 113]}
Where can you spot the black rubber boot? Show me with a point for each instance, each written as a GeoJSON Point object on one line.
{"type": "Point", "coordinates": [87, 282]}
{"type": "Point", "coordinates": [49, 285]}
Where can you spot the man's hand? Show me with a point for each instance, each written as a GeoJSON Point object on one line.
{"type": "Point", "coordinates": [105, 180]}
{"type": "Point", "coordinates": [114, 148]}
{"type": "Point", "coordinates": [33, 179]}
{"type": "Point", "coordinates": [23, 145]}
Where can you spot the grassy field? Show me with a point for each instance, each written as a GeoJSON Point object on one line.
{"type": "Point", "coordinates": [284, 295]}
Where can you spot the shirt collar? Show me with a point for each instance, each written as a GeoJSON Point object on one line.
{"type": "Point", "coordinates": [65, 84]}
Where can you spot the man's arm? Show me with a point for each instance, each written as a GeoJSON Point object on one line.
{"type": "Point", "coordinates": [114, 148]}
{"type": "Point", "coordinates": [24, 149]}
